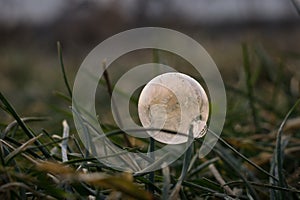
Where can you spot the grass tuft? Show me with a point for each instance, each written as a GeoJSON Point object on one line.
{"type": "Point", "coordinates": [253, 159]}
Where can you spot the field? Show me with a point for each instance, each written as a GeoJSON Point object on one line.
{"type": "Point", "coordinates": [256, 157]}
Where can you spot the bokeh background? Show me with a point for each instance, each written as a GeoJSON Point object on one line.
{"type": "Point", "coordinates": [30, 74]}
{"type": "Point", "coordinates": [255, 44]}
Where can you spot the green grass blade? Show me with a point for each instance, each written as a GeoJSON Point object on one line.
{"type": "Point", "coordinates": [154, 165]}
{"type": "Point", "coordinates": [166, 181]}
{"type": "Point", "coordinates": [185, 166]}
{"type": "Point", "coordinates": [279, 150]}
{"type": "Point", "coordinates": [264, 185]}
{"type": "Point", "coordinates": [200, 187]}
{"type": "Point", "coordinates": [63, 96]}
{"type": "Point", "coordinates": [256, 100]}
{"type": "Point", "coordinates": [249, 84]}
{"type": "Point", "coordinates": [26, 130]}
{"type": "Point", "coordinates": [203, 166]}
{"type": "Point", "coordinates": [144, 180]}
{"type": "Point", "coordinates": [151, 155]}
{"type": "Point", "coordinates": [60, 56]}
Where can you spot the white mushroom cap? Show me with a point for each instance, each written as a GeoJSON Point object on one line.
{"type": "Point", "coordinates": [174, 101]}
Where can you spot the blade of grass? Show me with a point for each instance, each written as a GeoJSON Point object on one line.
{"type": "Point", "coordinates": [126, 158]}
{"type": "Point", "coordinates": [144, 180]}
{"type": "Point", "coordinates": [153, 165]}
{"type": "Point", "coordinates": [259, 102]}
{"type": "Point", "coordinates": [274, 71]}
{"type": "Point", "coordinates": [166, 182]}
{"type": "Point", "coordinates": [264, 185]}
{"type": "Point", "coordinates": [266, 62]}
{"type": "Point", "coordinates": [24, 119]}
{"type": "Point", "coordinates": [193, 160]}
{"type": "Point", "coordinates": [29, 151]}
{"type": "Point", "coordinates": [185, 167]}
{"type": "Point", "coordinates": [151, 155]}
{"type": "Point", "coordinates": [77, 145]}
{"type": "Point", "coordinates": [59, 50]}
{"type": "Point", "coordinates": [187, 156]}
{"type": "Point", "coordinates": [249, 84]}
{"type": "Point", "coordinates": [274, 171]}
{"type": "Point", "coordinates": [26, 130]}
{"type": "Point", "coordinates": [4, 152]}
{"type": "Point", "coordinates": [63, 96]}
{"type": "Point", "coordinates": [279, 151]}
{"type": "Point", "coordinates": [242, 156]}
{"type": "Point", "coordinates": [202, 188]}
{"type": "Point", "coordinates": [220, 179]}
{"type": "Point", "coordinates": [89, 145]}
{"type": "Point", "coordinates": [109, 89]}
{"type": "Point", "coordinates": [64, 143]}
{"type": "Point", "coordinates": [21, 148]}
{"type": "Point", "coordinates": [235, 167]}
{"type": "Point", "coordinates": [202, 166]}
{"type": "Point", "coordinates": [119, 183]}
{"type": "Point", "coordinates": [23, 154]}
{"type": "Point", "coordinates": [14, 185]}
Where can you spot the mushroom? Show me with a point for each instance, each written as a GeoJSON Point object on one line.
{"type": "Point", "coordinates": [177, 102]}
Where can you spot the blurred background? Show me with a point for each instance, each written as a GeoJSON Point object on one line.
{"type": "Point", "coordinates": [254, 43]}
{"type": "Point", "coordinates": [30, 73]}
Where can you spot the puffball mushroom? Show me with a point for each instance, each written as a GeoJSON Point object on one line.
{"type": "Point", "coordinates": [173, 101]}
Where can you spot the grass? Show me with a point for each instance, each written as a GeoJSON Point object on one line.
{"type": "Point", "coordinates": [255, 158]}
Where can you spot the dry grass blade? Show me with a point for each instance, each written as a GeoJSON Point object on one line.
{"type": "Point", "coordinates": [23, 154]}
{"type": "Point", "coordinates": [219, 178]}
{"type": "Point", "coordinates": [122, 183]}
{"type": "Point", "coordinates": [24, 119]}
{"type": "Point", "coordinates": [21, 149]}
{"type": "Point", "coordinates": [55, 168]}
{"type": "Point", "coordinates": [235, 167]}
{"type": "Point", "coordinates": [64, 143]}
